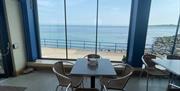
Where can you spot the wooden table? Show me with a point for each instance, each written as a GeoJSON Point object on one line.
{"type": "Point", "coordinates": [104, 68]}
{"type": "Point", "coordinates": [173, 66]}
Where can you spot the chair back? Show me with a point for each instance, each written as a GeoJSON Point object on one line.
{"type": "Point", "coordinates": [147, 60]}
{"type": "Point", "coordinates": [173, 57]}
{"type": "Point", "coordinates": [122, 79]}
{"type": "Point", "coordinates": [92, 56]}
{"type": "Point", "coordinates": [58, 69]}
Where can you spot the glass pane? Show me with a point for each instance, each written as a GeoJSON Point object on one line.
{"type": "Point", "coordinates": [114, 17]}
{"type": "Point", "coordinates": [162, 26]}
{"type": "Point", "coordinates": [81, 27]}
{"type": "Point", "coordinates": [51, 25]}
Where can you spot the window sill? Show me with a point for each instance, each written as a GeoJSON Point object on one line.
{"type": "Point", "coordinates": [49, 63]}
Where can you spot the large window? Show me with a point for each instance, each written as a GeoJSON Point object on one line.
{"type": "Point", "coordinates": [51, 24]}
{"type": "Point", "coordinates": [81, 15]}
{"type": "Point", "coordinates": [112, 32]}
{"type": "Point", "coordinates": [114, 17]}
{"type": "Point", "coordinates": [162, 26]}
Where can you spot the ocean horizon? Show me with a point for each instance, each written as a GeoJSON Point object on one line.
{"type": "Point", "coordinates": [108, 36]}
{"type": "Point", "coordinates": [111, 34]}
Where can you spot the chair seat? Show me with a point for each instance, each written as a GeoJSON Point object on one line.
{"type": "Point", "coordinates": [76, 81]}
{"type": "Point", "coordinates": [86, 89]}
{"type": "Point", "coordinates": [114, 85]}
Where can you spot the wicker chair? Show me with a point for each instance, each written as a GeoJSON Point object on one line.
{"type": "Point", "coordinates": [119, 67]}
{"type": "Point", "coordinates": [84, 89]}
{"type": "Point", "coordinates": [65, 79]}
{"type": "Point", "coordinates": [119, 82]}
{"type": "Point", "coordinates": [151, 69]}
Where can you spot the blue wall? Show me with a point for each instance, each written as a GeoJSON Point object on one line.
{"type": "Point", "coordinates": [30, 29]}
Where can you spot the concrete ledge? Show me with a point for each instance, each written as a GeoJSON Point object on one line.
{"type": "Point", "coordinates": [44, 63]}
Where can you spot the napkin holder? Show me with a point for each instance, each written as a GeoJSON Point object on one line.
{"type": "Point", "coordinates": [93, 62]}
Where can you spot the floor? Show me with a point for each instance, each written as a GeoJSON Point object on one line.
{"type": "Point", "coordinates": [46, 81]}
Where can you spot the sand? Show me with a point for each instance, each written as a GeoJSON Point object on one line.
{"type": "Point", "coordinates": [79, 53]}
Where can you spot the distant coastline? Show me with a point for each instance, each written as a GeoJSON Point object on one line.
{"type": "Point", "coordinates": [162, 25]}
{"type": "Point", "coordinates": [113, 34]}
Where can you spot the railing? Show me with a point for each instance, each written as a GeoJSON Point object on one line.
{"type": "Point", "coordinates": [86, 45]}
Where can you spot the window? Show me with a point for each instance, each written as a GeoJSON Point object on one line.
{"type": "Point", "coordinates": [162, 26]}
{"type": "Point", "coordinates": [51, 24]}
{"type": "Point", "coordinates": [114, 17]}
{"type": "Point", "coordinates": [81, 15]}
{"type": "Point", "coordinates": [112, 34]}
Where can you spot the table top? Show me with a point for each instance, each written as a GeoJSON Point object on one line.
{"type": "Point", "coordinates": [104, 68]}
{"type": "Point", "coordinates": [172, 66]}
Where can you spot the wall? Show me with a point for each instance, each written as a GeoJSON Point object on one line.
{"type": "Point", "coordinates": [15, 25]}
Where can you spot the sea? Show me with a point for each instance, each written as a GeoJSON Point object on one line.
{"type": "Point", "coordinates": [106, 34]}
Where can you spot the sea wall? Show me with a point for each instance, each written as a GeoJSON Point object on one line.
{"type": "Point", "coordinates": [163, 45]}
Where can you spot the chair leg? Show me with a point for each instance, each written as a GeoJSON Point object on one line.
{"type": "Point", "coordinates": [141, 73]}
{"type": "Point", "coordinates": [147, 83]}
{"type": "Point", "coordinates": [57, 87]}
{"type": "Point", "coordinates": [169, 81]}
{"type": "Point", "coordinates": [101, 88]}
{"type": "Point", "coordinates": [82, 84]}
{"type": "Point", "coordinates": [72, 88]}
{"type": "Point", "coordinates": [123, 90]}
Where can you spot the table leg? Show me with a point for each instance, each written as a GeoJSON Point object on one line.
{"type": "Point", "coordinates": [92, 81]}
{"type": "Point", "coordinates": [170, 81]}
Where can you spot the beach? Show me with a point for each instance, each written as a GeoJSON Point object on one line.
{"type": "Point", "coordinates": [81, 40]}
{"type": "Point", "coordinates": [78, 53]}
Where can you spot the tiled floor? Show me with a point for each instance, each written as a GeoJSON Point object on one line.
{"type": "Point", "coordinates": [46, 81]}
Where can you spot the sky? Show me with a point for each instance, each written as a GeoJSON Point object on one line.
{"type": "Point", "coordinates": [111, 12]}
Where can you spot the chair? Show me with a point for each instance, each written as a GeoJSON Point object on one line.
{"type": "Point", "coordinates": [119, 82]}
{"type": "Point", "coordinates": [63, 78]}
{"type": "Point", "coordinates": [119, 67]}
{"type": "Point", "coordinates": [84, 89]}
{"type": "Point", "coordinates": [92, 56]}
{"type": "Point", "coordinates": [151, 69]}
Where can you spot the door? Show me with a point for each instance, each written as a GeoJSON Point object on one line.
{"type": "Point", "coordinates": [1, 63]}
{"type": "Point", "coordinates": [5, 60]}
{"type": "Point", "coordinates": [6, 66]}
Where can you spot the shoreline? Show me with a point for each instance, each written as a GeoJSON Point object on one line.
{"type": "Point", "coordinates": [79, 53]}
